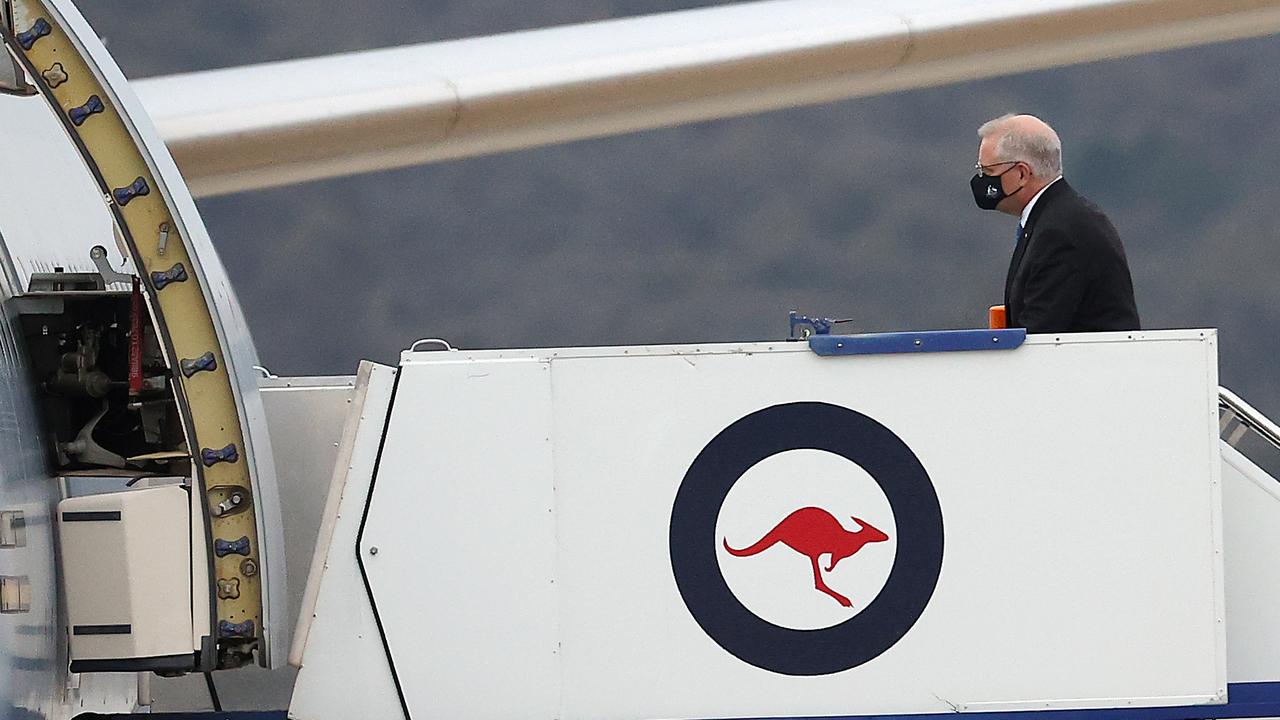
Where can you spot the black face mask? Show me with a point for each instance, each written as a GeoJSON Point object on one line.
{"type": "Point", "coordinates": [988, 191]}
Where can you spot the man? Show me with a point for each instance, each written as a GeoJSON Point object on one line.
{"type": "Point", "coordinates": [1069, 272]}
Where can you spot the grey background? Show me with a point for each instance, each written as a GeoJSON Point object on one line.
{"type": "Point", "coordinates": [713, 231]}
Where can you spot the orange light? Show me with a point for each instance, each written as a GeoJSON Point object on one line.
{"type": "Point", "coordinates": [997, 318]}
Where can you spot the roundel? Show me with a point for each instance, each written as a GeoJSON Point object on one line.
{"type": "Point", "coordinates": [781, 505]}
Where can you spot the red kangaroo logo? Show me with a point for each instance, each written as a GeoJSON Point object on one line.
{"type": "Point", "coordinates": [813, 532]}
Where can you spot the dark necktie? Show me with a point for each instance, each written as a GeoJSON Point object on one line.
{"type": "Point", "coordinates": [1017, 238]}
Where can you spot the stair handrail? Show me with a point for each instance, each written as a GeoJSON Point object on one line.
{"type": "Point", "coordinates": [1249, 416]}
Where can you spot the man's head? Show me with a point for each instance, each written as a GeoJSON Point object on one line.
{"type": "Point", "coordinates": [1018, 156]}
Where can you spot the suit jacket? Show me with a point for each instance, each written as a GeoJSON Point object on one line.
{"type": "Point", "coordinates": [1069, 272]}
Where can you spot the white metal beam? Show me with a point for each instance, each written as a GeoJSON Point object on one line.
{"type": "Point", "coordinates": [286, 122]}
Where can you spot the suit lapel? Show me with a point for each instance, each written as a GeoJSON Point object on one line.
{"type": "Point", "coordinates": [1018, 251]}
{"type": "Point", "coordinates": [1028, 231]}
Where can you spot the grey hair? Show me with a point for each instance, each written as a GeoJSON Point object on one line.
{"type": "Point", "coordinates": [1041, 151]}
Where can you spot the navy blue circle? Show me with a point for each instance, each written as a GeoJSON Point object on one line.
{"type": "Point", "coordinates": [857, 438]}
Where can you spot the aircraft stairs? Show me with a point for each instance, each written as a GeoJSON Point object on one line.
{"type": "Point", "coordinates": [1107, 551]}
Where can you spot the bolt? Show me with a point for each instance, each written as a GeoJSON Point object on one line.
{"type": "Point", "coordinates": [373, 550]}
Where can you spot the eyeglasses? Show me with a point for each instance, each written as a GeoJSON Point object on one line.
{"type": "Point", "coordinates": [982, 169]}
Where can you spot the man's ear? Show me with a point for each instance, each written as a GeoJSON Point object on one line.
{"type": "Point", "coordinates": [1026, 173]}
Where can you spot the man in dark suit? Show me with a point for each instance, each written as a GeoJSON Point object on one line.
{"type": "Point", "coordinates": [1068, 272]}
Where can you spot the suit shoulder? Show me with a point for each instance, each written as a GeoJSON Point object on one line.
{"type": "Point", "coordinates": [1080, 219]}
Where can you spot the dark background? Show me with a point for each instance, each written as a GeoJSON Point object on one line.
{"type": "Point", "coordinates": [713, 231]}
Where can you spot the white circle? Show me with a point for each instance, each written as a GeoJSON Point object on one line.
{"type": "Point", "coordinates": [777, 583]}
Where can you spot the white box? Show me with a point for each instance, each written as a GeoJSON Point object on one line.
{"type": "Point", "coordinates": [126, 567]}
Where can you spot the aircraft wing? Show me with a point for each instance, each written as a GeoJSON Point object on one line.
{"type": "Point", "coordinates": [286, 122]}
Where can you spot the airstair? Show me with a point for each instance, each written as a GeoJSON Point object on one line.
{"type": "Point", "coordinates": [907, 524]}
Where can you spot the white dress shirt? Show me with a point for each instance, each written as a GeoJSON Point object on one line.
{"type": "Point", "coordinates": [1026, 211]}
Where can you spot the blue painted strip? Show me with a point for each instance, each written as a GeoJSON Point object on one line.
{"type": "Point", "coordinates": [1244, 700]}
{"type": "Point", "coordinates": [1253, 692]}
{"type": "Point", "coordinates": [917, 342]}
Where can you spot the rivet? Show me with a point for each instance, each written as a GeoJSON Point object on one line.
{"type": "Point", "coordinates": [917, 343]}
{"type": "Point", "coordinates": [373, 550]}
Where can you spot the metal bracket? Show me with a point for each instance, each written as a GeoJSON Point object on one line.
{"type": "Point", "coordinates": [87, 450]}
{"type": "Point", "coordinates": [228, 500]}
{"type": "Point", "coordinates": [162, 243]}
{"type": "Point", "coordinates": [804, 327]}
{"type": "Point", "coordinates": [99, 256]}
